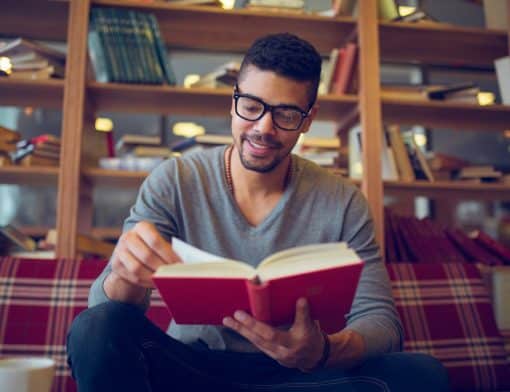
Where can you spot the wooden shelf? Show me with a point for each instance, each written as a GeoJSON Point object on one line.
{"type": "Point", "coordinates": [210, 28]}
{"type": "Point", "coordinates": [441, 44]}
{"type": "Point", "coordinates": [40, 19]}
{"type": "Point", "coordinates": [213, 28]}
{"type": "Point", "coordinates": [450, 190]}
{"type": "Point", "coordinates": [165, 99]}
{"type": "Point", "coordinates": [38, 93]}
{"type": "Point", "coordinates": [36, 175]}
{"type": "Point", "coordinates": [113, 178]}
{"type": "Point", "coordinates": [444, 114]}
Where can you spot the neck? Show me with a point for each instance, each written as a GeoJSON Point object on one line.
{"type": "Point", "coordinates": [251, 183]}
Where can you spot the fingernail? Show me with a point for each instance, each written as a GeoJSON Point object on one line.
{"type": "Point", "coordinates": [228, 322]}
{"type": "Point", "coordinates": [240, 315]}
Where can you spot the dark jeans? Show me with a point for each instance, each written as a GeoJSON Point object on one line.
{"type": "Point", "coordinates": [113, 347]}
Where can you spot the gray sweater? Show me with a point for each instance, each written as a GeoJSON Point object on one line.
{"type": "Point", "coordinates": [189, 198]}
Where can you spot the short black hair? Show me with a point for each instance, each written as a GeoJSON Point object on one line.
{"type": "Point", "coordinates": [287, 55]}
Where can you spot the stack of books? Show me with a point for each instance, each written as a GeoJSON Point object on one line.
{"type": "Point", "coordinates": [136, 152]}
{"type": "Point", "coordinates": [8, 140]}
{"type": "Point", "coordinates": [42, 150]}
{"type": "Point", "coordinates": [409, 239]}
{"type": "Point", "coordinates": [296, 6]}
{"type": "Point", "coordinates": [223, 76]}
{"type": "Point", "coordinates": [126, 46]}
{"type": "Point", "coordinates": [31, 60]}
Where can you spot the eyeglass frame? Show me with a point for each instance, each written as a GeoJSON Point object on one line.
{"type": "Point", "coordinates": [270, 108]}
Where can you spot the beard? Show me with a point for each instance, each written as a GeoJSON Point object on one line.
{"type": "Point", "coordinates": [261, 165]}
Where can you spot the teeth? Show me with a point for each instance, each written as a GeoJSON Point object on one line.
{"type": "Point", "coordinates": [258, 145]}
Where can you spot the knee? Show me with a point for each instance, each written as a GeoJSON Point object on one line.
{"type": "Point", "coordinates": [423, 371]}
{"type": "Point", "coordinates": [98, 328]}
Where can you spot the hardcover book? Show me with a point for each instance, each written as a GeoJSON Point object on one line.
{"type": "Point", "coordinates": [206, 288]}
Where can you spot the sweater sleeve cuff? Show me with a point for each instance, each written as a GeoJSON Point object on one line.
{"type": "Point", "coordinates": [379, 334]}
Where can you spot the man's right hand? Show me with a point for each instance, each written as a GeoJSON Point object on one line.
{"type": "Point", "coordinates": [137, 255]}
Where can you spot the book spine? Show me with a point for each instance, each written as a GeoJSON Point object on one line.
{"type": "Point", "coordinates": [258, 295]}
{"type": "Point", "coordinates": [161, 50]}
{"type": "Point", "coordinates": [97, 52]}
{"type": "Point", "coordinates": [156, 71]}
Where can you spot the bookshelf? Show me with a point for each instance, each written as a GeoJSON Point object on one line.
{"type": "Point", "coordinates": [206, 28]}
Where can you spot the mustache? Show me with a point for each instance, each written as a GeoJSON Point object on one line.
{"type": "Point", "coordinates": [265, 139]}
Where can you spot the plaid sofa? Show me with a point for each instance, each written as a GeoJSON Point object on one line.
{"type": "Point", "coordinates": [445, 311]}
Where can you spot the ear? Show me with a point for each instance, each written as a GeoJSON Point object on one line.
{"type": "Point", "coordinates": [310, 118]}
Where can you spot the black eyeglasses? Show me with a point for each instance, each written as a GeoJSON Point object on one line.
{"type": "Point", "coordinates": [285, 117]}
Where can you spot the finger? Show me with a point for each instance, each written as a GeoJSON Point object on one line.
{"type": "Point", "coordinates": [244, 325]}
{"type": "Point", "coordinates": [130, 268]}
{"type": "Point", "coordinates": [140, 250]}
{"type": "Point", "coordinates": [302, 317]}
{"type": "Point", "coordinates": [151, 236]}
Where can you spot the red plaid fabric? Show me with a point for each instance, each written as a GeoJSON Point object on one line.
{"type": "Point", "coordinates": [38, 301]}
{"type": "Point", "coordinates": [446, 312]}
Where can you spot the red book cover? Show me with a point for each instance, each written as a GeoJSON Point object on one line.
{"type": "Point", "coordinates": [472, 251]}
{"type": "Point", "coordinates": [205, 293]}
{"type": "Point", "coordinates": [346, 70]}
{"type": "Point", "coordinates": [491, 245]}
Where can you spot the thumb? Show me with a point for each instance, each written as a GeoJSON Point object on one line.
{"type": "Point", "coordinates": [303, 318]}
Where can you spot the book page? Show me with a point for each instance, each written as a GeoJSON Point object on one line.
{"type": "Point", "coordinates": [192, 255]}
{"type": "Point", "coordinates": [295, 263]}
{"type": "Point", "coordinates": [211, 269]}
{"type": "Point", "coordinates": [305, 250]}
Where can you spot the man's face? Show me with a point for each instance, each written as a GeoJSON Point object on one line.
{"type": "Point", "coordinates": [261, 144]}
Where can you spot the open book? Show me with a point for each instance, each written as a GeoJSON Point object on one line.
{"type": "Point", "coordinates": [206, 288]}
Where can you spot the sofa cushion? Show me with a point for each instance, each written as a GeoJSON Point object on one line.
{"type": "Point", "coordinates": [446, 312]}
{"type": "Point", "coordinates": [38, 301]}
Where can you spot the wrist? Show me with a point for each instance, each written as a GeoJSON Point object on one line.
{"type": "Point", "coordinates": [326, 349]}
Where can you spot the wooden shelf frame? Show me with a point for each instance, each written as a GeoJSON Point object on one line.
{"type": "Point", "coordinates": [36, 175]}
{"type": "Point", "coordinates": [203, 28]}
{"type": "Point", "coordinates": [208, 28]}
{"type": "Point", "coordinates": [449, 190]}
{"type": "Point", "coordinates": [37, 93]}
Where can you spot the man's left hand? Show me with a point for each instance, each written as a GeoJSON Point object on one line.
{"type": "Point", "coordinates": [299, 347]}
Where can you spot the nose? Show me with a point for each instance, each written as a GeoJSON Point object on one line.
{"type": "Point", "coordinates": [265, 124]}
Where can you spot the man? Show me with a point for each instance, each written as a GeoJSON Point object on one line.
{"type": "Point", "coordinates": [245, 202]}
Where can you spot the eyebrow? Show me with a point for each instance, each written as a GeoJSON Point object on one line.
{"type": "Point", "coordinates": [285, 105]}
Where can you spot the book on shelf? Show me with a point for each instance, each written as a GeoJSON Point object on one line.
{"type": "Point", "coordinates": [276, 5]}
{"type": "Point", "coordinates": [130, 163]}
{"type": "Point", "coordinates": [86, 244]}
{"type": "Point", "coordinates": [442, 162]}
{"type": "Point", "coordinates": [491, 245]}
{"type": "Point", "coordinates": [37, 160]}
{"type": "Point", "coordinates": [22, 48]}
{"type": "Point", "coordinates": [500, 286]}
{"type": "Point", "coordinates": [126, 46]}
{"type": "Point", "coordinates": [223, 76]}
{"type": "Point", "coordinates": [9, 135]}
{"type": "Point", "coordinates": [328, 71]}
{"type": "Point", "coordinates": [404, 166]}
{"type": "Point", "coordinates": [206, 288]}
{"type": "Point", "coordinates": [151, 151]}
{"type": "Point", "coordinates": [32, 60]}
{"type": "Point", "coordinates": [127, 142]}
{"type": "Point", "coordinates": [388, 163]}
{"type": "Point", "coordinates": [422, 161]}
{"type": "Point", "coordinates": [502, 66]}
{"type": "Point", "coordinates": [496, 14]}
{"type": "Point", "coordinates": [12, 238]}
{"type": "Point", "coordinates": [345, 69]}
{"type": "Point", "coordinates": [193, 2]}
{"type": "Point", "coordinates": [479, 172]}
{"type": "Point", "coordinates": [472, 251]}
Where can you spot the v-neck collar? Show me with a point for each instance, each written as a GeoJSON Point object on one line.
{"type": "Point", "coordinates": [241, 220]}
